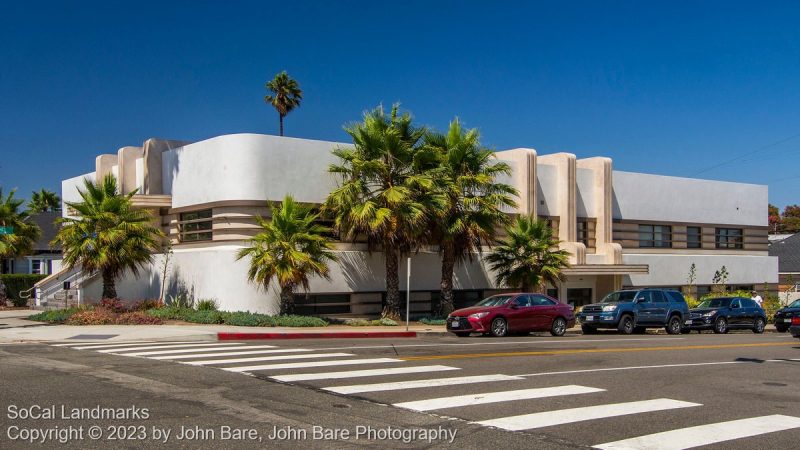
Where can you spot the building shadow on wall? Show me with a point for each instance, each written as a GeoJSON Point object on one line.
{"type": "Point", "coordinates": [357, 270]}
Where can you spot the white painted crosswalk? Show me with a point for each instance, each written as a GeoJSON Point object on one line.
{"type": "Point", "coordinates": [707, 434]}
{"type": "Point", "coordinates": [379, 378]}
{"type": "Point", "coordinates": [565, 416]}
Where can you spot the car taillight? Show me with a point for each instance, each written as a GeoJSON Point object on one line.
{"type": "Point", "coordinates": [796, 320]}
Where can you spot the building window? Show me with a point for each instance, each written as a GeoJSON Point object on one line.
{"type": "Point", "coordinates": [36, 266]}
{"type": "Point", "coordinates": [729, 238]}
{"type": "Point", "coordinates": [195, 226]}
{"type": "Point", "coordinates": [694, 237]}
{"type": "Point", "coordinates": [583, 232]}
{"type": "Point", "coordinates": [655, 236]}
{"type": "Point", "coordinates": [8, 266]}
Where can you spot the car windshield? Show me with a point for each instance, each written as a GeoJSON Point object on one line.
{"type": "Point", "coordinates": [619, 296]}
{"type": "Point", "coordinates": [715, 303]}
{"type": "Point", "coordinates": [494, 301]}
{"type": "Point", "coordinates": [795, 304]}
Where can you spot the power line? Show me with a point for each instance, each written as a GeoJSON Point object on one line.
{"type": "Point", "coordinates": [737, 158]}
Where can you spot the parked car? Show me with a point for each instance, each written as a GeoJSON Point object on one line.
{"type": "Point", "coordinates": [727, 313]}
{"type": "Point", "coordinates": [500, 315]}
{"type": "Point", "coordinates": [783, 317]}
{"type": "Point", "coordinates": [795, 328]}
{"type": "Point", "coordinates": [635, 310]}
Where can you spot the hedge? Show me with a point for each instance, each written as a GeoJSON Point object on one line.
{"type": "Point", "coordinates": [17, 282]}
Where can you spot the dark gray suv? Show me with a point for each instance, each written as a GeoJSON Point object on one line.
{"type": "Point", "coordinates": [635, 310]}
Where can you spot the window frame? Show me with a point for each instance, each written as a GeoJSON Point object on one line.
{"type": "Point", "coordinates": [203, 234]}
{"type": "Point", "coordinates": [691, 243]}
{"type": "Point", "coordinates": [665, 231]}
{"type": "Point", "coordinates": [723, 239]}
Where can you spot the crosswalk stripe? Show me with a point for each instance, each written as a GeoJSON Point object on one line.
{"type": "Point", "coordinates": [130, 344]}
{"type": "Point", "coordinates": [301, 365]}
{"type": "Point", "coordinates": [563, 416]}
{"type": "Point", "coordinates": [193, 350]}
{"type": "Point", "coordinates": [495, 397]}
{"type": "Point", "coordinates": [360, 373]}
{"type": "Point", "coordinates": [414, 384]}
{"type": "Point", "coordinates": [73, 344]}
{"type": "Point", "coordinates": [248, 352]}
{"type": "Point", "coordinates": [187, 345]}
{"type": "Point", "coordinates": [707, 434]}
{"type": "Point", "coordinates": [207, 362]}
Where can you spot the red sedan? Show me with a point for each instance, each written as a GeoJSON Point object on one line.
{"type": "Point", "coordinates": [502, 314]}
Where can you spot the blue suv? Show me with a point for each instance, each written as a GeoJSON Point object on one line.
{"type": "Point", "coordinates": [635, 310]}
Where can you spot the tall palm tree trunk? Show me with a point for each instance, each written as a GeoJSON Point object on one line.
{"type": "Point", "coordinates": [446, 285]}
{"type": "Point", "coordinates": [287, 300]}
{"type": "Point", "coordinates": [109, 285]}
{"type": "Point", "coordinates": [281, 121]}
{"type": "Point", "coordinates": [392, 308]}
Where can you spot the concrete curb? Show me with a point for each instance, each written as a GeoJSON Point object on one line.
{"type": "Point", "coordinates": [228, 336]}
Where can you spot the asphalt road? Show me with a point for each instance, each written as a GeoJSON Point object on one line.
{"type": "Point", "coordinates": [537, 391]}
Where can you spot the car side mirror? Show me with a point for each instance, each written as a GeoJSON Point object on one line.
{"type": "Point", "coordinates": [637, 300]}
{"type": "Point", "coordinates": [514, 306]}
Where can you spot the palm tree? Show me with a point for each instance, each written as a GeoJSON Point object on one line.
{"type": "Point", "coordinates": [475, 200]}
{"type": "Point", "coordinates": [289, 249]}
{"type": "Point", "coordinates": [287, 95]}
{"type": "Point", "coordinates": [385, 191]}
{"type": "Point", "coordinates": [108, 235]}
{"type": "Point", "coordinates": [43, 201]}
{"type": "Point", "coordinates": [529, 257]}
{"type": "Point", "coordinates": [17, 232]}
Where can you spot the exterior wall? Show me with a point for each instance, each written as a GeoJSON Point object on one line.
{"type": "Point", "coordinates": [639, 196]}
{"type": "Point", "coordinates": [69, 190]}
{"type": "Point", "coordinates": [673, 269]}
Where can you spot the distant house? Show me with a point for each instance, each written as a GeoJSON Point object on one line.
{"type": "Point", "coordinates": [45, 258]}
{"type": "Point", "coordinates": [788, 252]}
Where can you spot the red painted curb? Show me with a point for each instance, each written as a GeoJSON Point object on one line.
{"type": "Point", "coordinates": [326, 335]}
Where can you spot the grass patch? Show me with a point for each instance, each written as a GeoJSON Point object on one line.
{"type": "Point", "coordinates": [55, 315]}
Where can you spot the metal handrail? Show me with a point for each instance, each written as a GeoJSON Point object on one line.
{"type": "Point", "coordinates": [24, 296]}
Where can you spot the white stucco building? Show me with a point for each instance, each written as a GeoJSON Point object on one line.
{"type": "Point", "coordinates": [622, 229]}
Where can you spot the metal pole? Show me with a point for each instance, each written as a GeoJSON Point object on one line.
{"type": "Point", "coordinates": [408, 290]}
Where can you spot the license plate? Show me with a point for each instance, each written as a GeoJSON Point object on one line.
{"type": "Point", "coordinates": [589, 317]}
{"type": "Point", "coordinates": [688, 322]}
{"type": "Point", "coordinates": [787, 320]}
{"type": "Point", "coordinates": [455, 324]}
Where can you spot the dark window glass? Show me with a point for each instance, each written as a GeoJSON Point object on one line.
{"type": "Point", "coordinates": [655, 236]}
{"type": "Point", "coordinates": [658, 297]}
{"type": "Point", "coordinates": [583, 232]}
{"type": "Point", "coordinates": [644, 297]}
{"type": "Point", "coordinates": [195, 226]}
{"type": "Point", "coordinates": [729, 238]}
{"type": "Point", "coordinates": [694, 237]}
{"type": "Point", "coordinates": [675, 297]}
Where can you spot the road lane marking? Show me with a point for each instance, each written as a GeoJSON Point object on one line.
{"type": "Point", "coordinates": [247, 352]}
{"type": "Point", "coordinates": [150, 347]}
{"type": "Point", "coordinates": [86, 346]}
{"type": "Point", "coordinates": [564, 340]}
{"type": "Point", "coordinates": [361, 373]}
{"type": "Point", "coordinates": [593, 350]}
{"type": "Point", "coordinates": [207, 362]}
{"type": "Point", "coordinates": [495, 397]}
{"type": "Point", "coordinates": [302, 365]}
{"type": "Point", "coordinates": [571, 415]}
{"type": "Point", "coordinates": [415, 384]}
{"type": "Point", "coordinates": [193, 350]}
{"type": "Point", "coordinates": [659, 366]}
{"type": "Point", "coordinates": [73, 344]}
{"type": "Point", "coordinates": [707, 434]}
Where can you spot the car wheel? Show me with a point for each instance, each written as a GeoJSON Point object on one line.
{"type": "Point", "coordinates": [639, 330]}
{"type": "Point", "coordinates": [721, 326]}
{"type": "Point", "coordinates": [462, 334]}
{"type": "Point", "coordinates": [674, 325]}
{"type": "Point", "coordinates": [781, 328]}
{"type": "Point", "coordinates": [758, 327]}
{"type": "Point", "coordinates": [559, 327]}
{"type": "Point", "coordinates": [625, 325]}
{"type": "Point", "coordinates": [586, 329]}
{"type": "Point", "coordinates": [499, 327]}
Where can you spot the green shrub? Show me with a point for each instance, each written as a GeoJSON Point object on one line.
{"type": "Point", "coordinates": [168, 313]}
{"type": "Point", "coordinates": [385, 322]}
{"type": "Point", "coordinates": [17, 282]}
{"type": "Point", "coordinates": [248, 319]}
{"type": "Point", "coordinates": [205, 317]}
{"type": "Point", "coordinates": [182, 301]}
{"type": "Point", "coordinates": [144, 305]}
{"type": "Point", "coordinates": [432, 321]}
{"type": "Point", "coordinates": [55, 315]}
{"type": "Point", "coordinates": [299, 321]}
{"type": "Point", "coordinates": [207, 304]}
{"type": "Point", "coordinates": [97, 316]}
{"type": "Point", "coordinates": [357, 322]}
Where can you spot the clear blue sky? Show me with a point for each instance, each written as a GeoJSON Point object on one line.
{"type": "Point", "coordinates": [662, 87]}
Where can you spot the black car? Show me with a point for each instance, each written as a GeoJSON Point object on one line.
{"type": "Point", "coordinates": [783, 317]}
{"type": "Point", "coordinates": [727, 313]}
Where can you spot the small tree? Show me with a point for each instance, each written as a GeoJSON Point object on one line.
{"type": "Point", "coordinates": [529, 257]}
{"type": "Point", "coordinates": [691, 279]}
{"type": "Point", "coordinates": [720, 280]}
{"type": "Point", "coordinates": [289, 249]}
{"type": "Point", "coordinates": [18, 233]}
